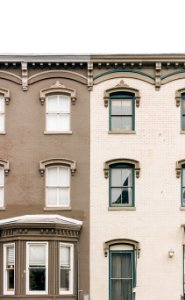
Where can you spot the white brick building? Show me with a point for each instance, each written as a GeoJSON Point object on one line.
{"type": "Point", "coordinates": [136, 232]}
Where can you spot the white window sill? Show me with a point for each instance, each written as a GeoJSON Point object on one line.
{"type": "Point", "coordinates": [121, 132]}
{"type": "Point", "coordinates": [122, 208]}
{"type": "Point", "coordinates": [57, 132]}
{"type": "Point", "coordinates": [58, 208]}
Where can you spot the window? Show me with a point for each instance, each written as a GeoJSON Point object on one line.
{"type": "Point", "coordinates": [58, 186]}
{"type": "Point", "coordinates": [183, 185]}
{"type": "Point", "coordinates": [121, 183]}
{"type": "Point", "coordinates": [122, 274]}
{"type": "Point", "coordinates": [66, 268]}
{"type": "Point", "coordinates": [37, 268]}
{"type": "Point", "coordinates": [1, 186]}
{"type": "Point", "coordinates": [2, 114]}
{"type": "Point", "coordinates": [183, 111]}
{"type": "Point", "coordinates": [58, 113]}
{"type": "Point", "coordinates": [122, 109]}
{"type": "Point", "coordinates": [9, 269]}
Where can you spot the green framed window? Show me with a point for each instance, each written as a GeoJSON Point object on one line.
{"type": "Point", "coordinates": [121, 185]}
{"type": "Point", "coordinates": [122, 274]}
{"type": "Point", "coordinates": [183, 111]}
{"type": "Point", "coordinates": [183, 185]}
{"type": "Point", "coordinates": [122, 111]}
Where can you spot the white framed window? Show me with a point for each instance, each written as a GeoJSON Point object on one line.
{"type": "Point", "coordinates": [2, 114]}
{"type": "Point", "coordinates": [57, 186]}
{"type": "Point", "coordinates": [66, 268]}
{"type": "Point", "coordinates": [58, 113]}
{"type": "Point", "coordinates": [1, 186]}
{"type": "Point", "coordinates": [37, 268]}
{"type": "Point", "coordinates": [9, 269]}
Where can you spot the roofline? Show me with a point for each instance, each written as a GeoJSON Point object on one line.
{"type": "Point", "coordinates": [41, 58]}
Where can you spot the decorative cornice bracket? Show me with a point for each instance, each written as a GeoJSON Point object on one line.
{"type": "Point", "coordinates": [24, 67]}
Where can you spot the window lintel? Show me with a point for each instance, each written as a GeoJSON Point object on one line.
{"type": "Point", "coordinates": [57, 161]}
{"type": "Point", "coordinates": [179, 167]}
{"type": "Point", "coordinates": [57, 88]}
{"type": "Point", "coordinates": [6, 94]}
{"type": "Point", "coordinates": [121, 87]}
{"type": "Point", "coordinates": [108, 163]}
{"type": "Point", "coordinates": [133, 243]}
{"type": "Point", "coordinates": [6, 165]}
{"type": "Point", "coordinates": [178, 96]}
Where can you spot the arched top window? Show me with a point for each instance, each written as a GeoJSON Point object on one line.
{"type": "Point", "coordinates": [71, 164]}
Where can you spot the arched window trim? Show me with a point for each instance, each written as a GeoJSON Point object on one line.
{"type": "Point", "coordinates": [57, 161]}
{"type": "Point", "coordinates": [179, 167]}
{"type": "Point", "coordinates": [6, 165]}
{"type": "Point", "coordinates": [124, 88]}
{"type": "Point", "coordinates": [108, 163]}
{"type": "Point", "coordinates": [6, 94]}
{"type": "Point", "coordinates": [134, 243]}
{"type": "Point", "coordinates": [178, 96]}
{"type": "Point", "coordinates": [57, 88]}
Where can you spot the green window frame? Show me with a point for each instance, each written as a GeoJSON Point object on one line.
{"type": "Point", "coordinates": [122, 111]}
{"type": "Point", "coordinates": [183, 185]}
{"type": "Point", "coordinates": [122, 274]}
{"type": "Point", "coordinates": [122, 185]}
{"type": "Point", "coordinates": [183, 111]}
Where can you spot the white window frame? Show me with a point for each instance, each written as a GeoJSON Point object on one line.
{"type": "Point", "coordinates": [57, 187]}
{"type": "Point", "coordinates": [71, 277]}
{"type": "Point", "coordinates": [2, 113]}
{"type": "Point", "coordinates": [57, 113]}
{"type": "Point", "coordinates": [5, 289]}
{"type": "Point", "coordinates": [28, 292]}
{"type": "Point", "coordinates": [2, 187]}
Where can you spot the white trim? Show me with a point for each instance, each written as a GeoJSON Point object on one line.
{"type": "Point", "coordinates": [5, 291]}
{"type": "Point", "coordinates": [28, 292]}
{"type": "Point", "coordinates": [71, 277]}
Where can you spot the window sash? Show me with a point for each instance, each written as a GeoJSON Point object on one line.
{"type": "Point", "coordinates": [37, 268]}
{"type": "Point", "coordinates": [66, 268]}
{"type": "Point", "coordinates": [122, 120]}
{"type": "Point", "coordinates": [122, 276]}
{"type": "Point", "coordinates": [58, 186]}
{"type": "Point", "coordinates": [121, 190]}
{"type": "Point", "coordinates": [9, 269]}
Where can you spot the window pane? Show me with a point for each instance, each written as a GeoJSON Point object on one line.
{"type": "Point", "coordinates": [183, 106]}
{"type": "Point", "coordinates": [121, 196]}
{"type": "Point", "coordinates": [64, 103]}
{"type": "Point", "coordinates": [64, 280]}
{"type": "Point", "coordinates": [1, 176]}
{"type": "Point", "coordinates": [63, 178]}
{"type": "Point", "coordinates": [52, 103]}
{"type": "Point", "coordinates": [121, 123]}
{"type": "Point", "coordinates": [116, 177]}
{"type": "Point", "coordinates": [37, 255]}
{"type": "Point", "coordinates": [51, 122]}
{"type": "Point", "coordinates": [63, 122]}
{"type": "Point", "coordinates": [10, 279]}
{"type": "Point", "coordinates": [183, 122]}
{"type": "Point", "coordinates": [1, 122]}
{"type": "Point", "coordinates": [183, 197]}
{"type": "Point", "coordinates": [51, 196]}
{"type": "Point", "coordinates": [1, 104]}
{"type": "Point", "coordinates": [64, 256]}
{"type": "Point", "coordinates": [63, 196]}
{"type": "Point", "coordinates": [37, 279]}
{"type": "Point", "coordinates": [51, 177]}
{"type": "Point", "coordinates": [1, 196]}
{"type": "Point", "coordinates": [116, 107]}
{"type": "Point", "coordinates": [127, 107]}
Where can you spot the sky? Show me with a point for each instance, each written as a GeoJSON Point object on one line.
{"type": "Point", "coordinates": [92, 26]}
